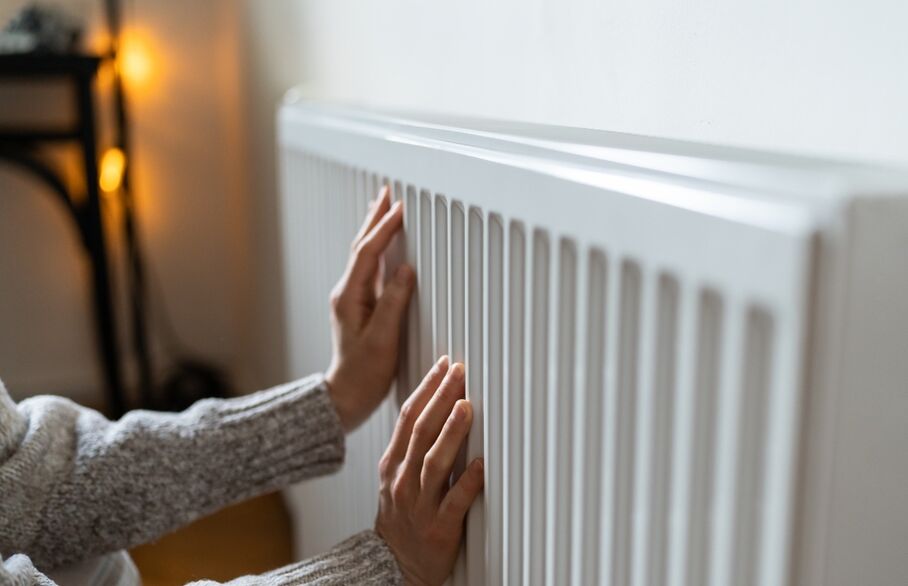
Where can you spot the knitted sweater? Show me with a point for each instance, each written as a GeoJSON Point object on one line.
{"type": "Point", "coordinates": [74, 485]}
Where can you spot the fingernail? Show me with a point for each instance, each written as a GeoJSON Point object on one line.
{"type": "Point", "coordinates": [442, 361]}
{"type": "Point", "coordinates": [404, 274]}
{"type": "Point", "coordinates": [478, 465]}
{"type": "Point", "coordinates": [457, 371]}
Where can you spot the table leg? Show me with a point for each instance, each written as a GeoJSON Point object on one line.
{"type": "Point", "coordinates": [101, 283]}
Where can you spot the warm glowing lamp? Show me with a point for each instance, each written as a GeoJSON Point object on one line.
{"type": "Point", "coordinates": [113, 164]}
{"type": "Point", "coordinates": [134, 61]}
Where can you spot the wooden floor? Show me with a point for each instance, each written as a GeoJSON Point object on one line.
{"type": "Point", "coordinates": [248, 538]}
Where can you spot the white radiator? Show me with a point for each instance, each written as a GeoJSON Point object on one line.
{"type": "Point", "coordinates": [688, 364]}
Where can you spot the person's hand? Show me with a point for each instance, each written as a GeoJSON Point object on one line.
{"type": "Point", "coordinates": [365, 321]}
{"type": "Point", "coordinates": [419, 516]}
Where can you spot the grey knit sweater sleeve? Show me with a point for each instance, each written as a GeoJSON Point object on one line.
{"type": "Point", "coordinates": [75, 485]}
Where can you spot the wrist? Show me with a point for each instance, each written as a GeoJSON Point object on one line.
{"type": "Point", "coordinates": [409, 577]}
{"type": "Point", "coordinates": [337, 395]}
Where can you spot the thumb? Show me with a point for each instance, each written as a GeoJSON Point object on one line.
{"type": "Point", "coordinates": [389, 312]}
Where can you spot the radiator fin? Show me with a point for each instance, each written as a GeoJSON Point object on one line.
{"type": "Point", "coordinates": [514, 402]}
{"type": "Point", "coordinates": [494, 394]}
{"type": "Point", "coordinates": [535, 432]}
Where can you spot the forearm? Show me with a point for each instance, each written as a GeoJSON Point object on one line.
{"type": "Point", "coordinates": [78, 485]}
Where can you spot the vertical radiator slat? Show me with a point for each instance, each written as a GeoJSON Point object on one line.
{"type": "Point", "coordinates": [505, 419]}
{"type": "Point", "coordinates": [664, 389]}
{"type": "Point", "coordinates": [626, 404]}
{"type": "Point", "coordinates": [425, 279]}
{"type": "Point", "coordinates": [442, 339]}
{"type": "Point", "coordinates": [783, 408]}
{"type": "Point", "coordinates": [551, 402]}
{"type": "Point", "coordinates": [653, 434]}
{"type": "Point", "coordinates": [703, 463]}
{"type": "Point", "coordinates": [588, 473]}
{"type": "Point", "coordinates": [411, 227]}
{"type": "Point", "coordinates": [609, 428]}
{"type": "Point", "coordinates": [728, 411]}
{"type": "Point", "coordinates": [458, 283]}
{"type": "Point", "coordinates": [458, 336]}
{"type": "Point", "coordinates": [526, 403]}
{"type": "Point", "coordinates": [494, 391]}
{"type": "Point", "coordinates": [475, 442]}
{"type": "Point", "coordinates": [682, 437]}
{"type": "Point", "coordinates": [535, 427]}
{"type": "Point", "coordinates": [578, 424]}
{"type": "Point", "coordinates": [441, 277]}
{"type": "Point", "coordinates": [752, 439]}
{"type": "Point", "coordinates": [644, 414]}
{"type": "Point", "coordinates": [561, 403]}
{"type": "Point", "coordinates": [514, 412]}
{"type": "Point", "coordinates": [442, 320]}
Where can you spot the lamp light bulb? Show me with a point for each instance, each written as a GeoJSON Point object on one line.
{"type": "Point", "coordinates": [113, 165]}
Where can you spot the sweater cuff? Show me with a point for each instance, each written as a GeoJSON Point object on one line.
{"type": "Point", "coordinates": [362, 559]}
{"type": "Point", "coordinates": [283, 435]}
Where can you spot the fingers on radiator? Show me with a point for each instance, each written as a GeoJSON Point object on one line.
{"type": "Point", "coordinates": [378, 208]}
{"type": "Point", "coordinates": [439, 460]}
{"type": "Point", "coordinates": [457, 502]}
{"type": "Point", "coordinates": [410, 411]}
{"type": "Point", "coordinates": [389, 313]}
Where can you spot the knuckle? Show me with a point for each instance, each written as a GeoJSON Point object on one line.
{"type": "Point", "coordinates": [407, 413]}
{"type": "Point", "coordinates": [399, 491]}
{"type": "Point", "coordinates": [432, 467]}
{"type": "Point", "coordinates": [336, 298]}
{"type": "Point", "coordinates": [420, 431]}
{"type": "Point", "coordinates": [385, 466]}
{"type": "Point", "coordinates": [384, 490]}
{"type": "Point", "coordinates": [446, 389]}
{"type": "Point", "coordinates": [365, 247]}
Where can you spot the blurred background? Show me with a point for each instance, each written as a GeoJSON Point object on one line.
{"type": "Point", "coordinates": [202, 79]}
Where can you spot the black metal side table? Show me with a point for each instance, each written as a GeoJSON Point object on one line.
{"type": "Point", "coordinates": [20, 146]}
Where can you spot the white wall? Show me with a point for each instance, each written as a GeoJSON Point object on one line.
{"type": "Point", "coordinates": [818, 76]}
